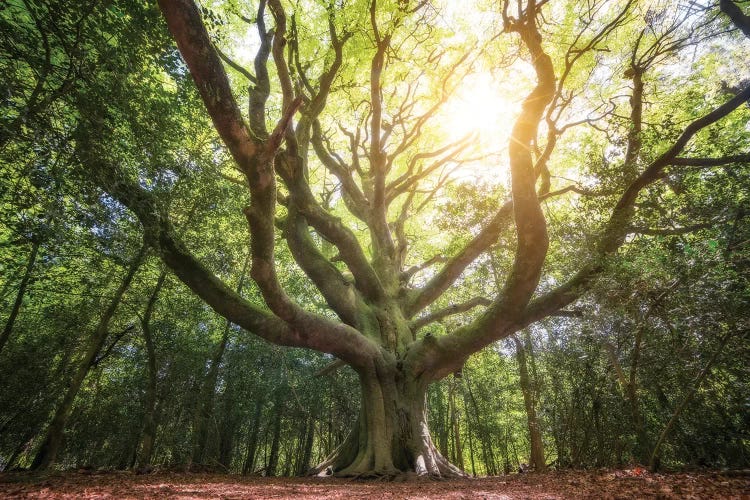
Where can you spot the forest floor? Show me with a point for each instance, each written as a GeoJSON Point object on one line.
{"type": "Point", "coordinates": [604, 484]}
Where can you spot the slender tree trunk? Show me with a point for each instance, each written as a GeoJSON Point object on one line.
{"type": "Point", "coordinates": [229, 422]}
{"type": "Point", "coordinates": [441, 425]}
{"type": "Point", "coordinates": [52, 442]}
{"type": "Point", "coordinates": [205, 405]}
{"type": "Point", "coordinates": [252, 442]}
{"type": "Point", "coordinates": [458, 454]}
{"type": "Point", "coordinates": [535, 436]}
{"type": "Point", "coordinates": [273, 458]}
{"type": "Point", "coordinates": [227, 430]}
{"type": "Point", "coordinates": [149, 419]}
{"type": "Point", "coordinates": [654, 460]}
{"type": "Point", "coordinates": [472, 403]}
{"type": "Point", "coordinates": [471, 452]}
{"type": "Point", "coordinates": [304, 465]}
{"type": "Point", "coordinates": [630, 391]}
{"type": "Point", "coordinates": [5, 335]}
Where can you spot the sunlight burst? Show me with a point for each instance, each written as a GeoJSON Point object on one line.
{"type": "Point", "coordinates": [483, 108]}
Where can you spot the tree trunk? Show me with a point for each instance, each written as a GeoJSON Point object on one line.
{"type": "Point", "coordinates": [458, 452]}
{"type": "Point", "coordinates": [19, 296]}
{"type": "Point", "coordinates": [655, 459]}
{"type": "Point", "coordinates": [51, 445]}
{"type": "Point", "coordinates": [535, 435]}
{"type": "Point", "coordinates": [149, 419]}
{"type": "Point", "coordinates": [391, 436]}
{"type": "Point", "coordinates": [252, 442]}
{"type": "Point", "coordinates": [273, 459]}
{"type": "Point", "coordinates": [304, 464]}
{"type": "Point", "coordinates": [205, 405]}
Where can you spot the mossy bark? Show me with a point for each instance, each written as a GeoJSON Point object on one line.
{"type": "Point", "coordinates": [391, 436]}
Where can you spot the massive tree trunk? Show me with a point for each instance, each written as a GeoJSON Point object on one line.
{"type": "Point", "coordinates": [148, 435]}
{"type": "Point", "coordinates": [391, 435]}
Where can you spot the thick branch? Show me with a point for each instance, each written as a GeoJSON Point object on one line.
{"type": "Point", "coordinates": [338, 292]}
{"type": "Point", "coordinates": [235, 65]}
{"type": "Point", "coordinates": [736, 15]}
{"type": "Point", "coordinates": [186, 27]}
{"type": "Point", "coordinates": [311, 332]}
{"type": "Point", "coordinates": [613, 235]}
{"type": "Point", "coordinates": [711, 162]}
{"type": "Point", "coordinates": [479, 244]}
{"type": "Point", "coordinates": [439, 283]}
{"type": "Point", "coordinates": [438, 357]}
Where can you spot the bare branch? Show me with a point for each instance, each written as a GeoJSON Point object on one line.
{"type": "Point", "coordinates": [448, 311]}
{"type": "Point", "coordinates": [235, 66]}
{"type": "Point", "coordinates": [671, 231]}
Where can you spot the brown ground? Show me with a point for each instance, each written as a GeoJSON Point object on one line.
{"type": "Point", "coordinates": [605, 484]}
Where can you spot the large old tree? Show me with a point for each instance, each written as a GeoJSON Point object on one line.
{"type": "Point", "coordinates": [342, 189]}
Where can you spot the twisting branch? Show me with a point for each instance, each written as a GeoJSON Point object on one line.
{"type": "Point", "coordinates": [442, 356]}
{"type": "Point", "coordinates": [353, 196]}
{"type": "Point", "coordinates": [184, 22]}
{"type": "Point", "coordinates": [479, 244]}
{"type": "Point", "coordinates": [291, 325]}
{"type": "Point", "coordinates": [448, 311]}
{"type": "Point", "coordinates": [614, 233]}
{"type": "Point", "coordinates": [108, 351]}
{"type": "Point", "coordinates": [408, 273]}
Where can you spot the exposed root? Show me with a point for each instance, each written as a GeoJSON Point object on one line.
{"type": "Point", "coordinates": [395, 476]}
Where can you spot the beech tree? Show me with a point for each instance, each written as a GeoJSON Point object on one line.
{"type": "Point", "coordinates": [387, 169]}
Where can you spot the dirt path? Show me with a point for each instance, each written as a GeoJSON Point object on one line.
{"type": "Point", "coordinates": [626, 484]}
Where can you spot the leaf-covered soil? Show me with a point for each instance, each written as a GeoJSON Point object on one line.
{"type": "Point", "coordinates": [612, 484]}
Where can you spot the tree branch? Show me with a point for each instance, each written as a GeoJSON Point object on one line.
{"type": "Point", "coordinates": [235, 66]}
{"type": "Point", "coordinates": [736, 15]}
{"type": "Point", "coordinates": [186, 27]}
{"type": "Point", "coordinates": [448, 311]}
{"type": "Point", "coordinates": [711, 162]}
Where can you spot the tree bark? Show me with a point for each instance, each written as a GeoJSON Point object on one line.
{"type": "Point", "coordinates": [205, 405]}
{"type": "Point", "coordinates": [19, 296]}
{"type": "Point", "coordinates": [535, 436]}
{"type": "Point", "coordinates": [252, 442]}
{"type": "Point", "coordinates": [149, 419]}
{"type": "Point", "coordinates": [458, 453]}
{"type": "Point", "coordinates": [654, 460]}
{"type": "Point", "coordinates": [273, 459]}
{"type": "Point", "coordinates": [52, 442]}
{"type": "Point", "coordinates": [304, 464]}
{"type": "Point", "coordinates": [391, 436]}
